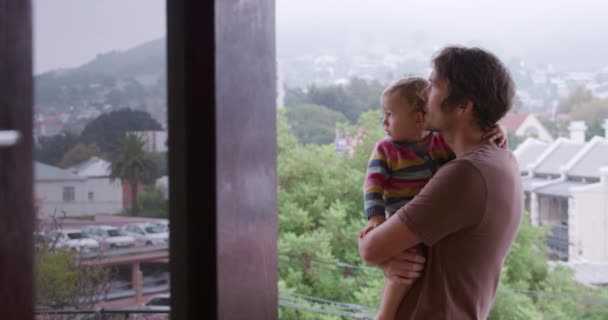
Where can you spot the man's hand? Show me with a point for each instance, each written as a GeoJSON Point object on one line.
{"type": "Point", "coordinates": [498, 135]}
{"type": "Point", "coordinates": [373, 222]}
{"type": "Point", "coordinates": [405, 267]}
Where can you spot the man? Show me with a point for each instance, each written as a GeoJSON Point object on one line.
{"type": "Point", "coordinates": [469, 212]}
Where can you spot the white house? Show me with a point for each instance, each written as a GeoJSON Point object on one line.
{"type": "Point", "coordinates": [55, 190]}
{"type": "Point", "coordinates": [567, 189]}
{"type": "Point", "coordinates": [526, 125]}
{"type": "Point", "coordinates": [103, 194]}
{"type": "Point", "coordinates": [527, 153]}
{"type": "Point", "coordinates": [83, 189]}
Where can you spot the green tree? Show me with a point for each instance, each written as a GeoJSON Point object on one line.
{"type": "Point", "coordinates": [595, 127]}
{"type": "Point", "coordinates": [321, 211]}
{"type": "Point", "coordinates": [350, 99]}
{"type": "Point", "coordinates": [51, 150]}
{"type": "Point", "coordinates": [555, 128]}
{"type": "Point", "coordinates": [295, 97]}
{"type": "Point", "coordinates": [314, 124]}
{"type": "Point", "coordinates": [514, 140]}
{"type": "Point", "coordinates": [133, 164]}
{"type": "Point", "coordinates": [580, 95]}
{"type": "Point", "coordinates": [79, 153]}
{"type": "Point", "coordinates": [152, 203]}
{"type": "Point", "coordinates": [62, 281]}
{"type": "Point", "coordinates": [590, 110]}
{"type": "Point", "coordinates": [108, 129]}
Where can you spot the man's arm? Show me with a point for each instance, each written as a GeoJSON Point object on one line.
{"type": "Point", "coordinates": [385, 241]}
{"type": "Point", "coordinates": [452, 200]}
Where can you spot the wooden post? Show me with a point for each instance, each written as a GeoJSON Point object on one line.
{"type": "Point", "coordinates": [16, 169]}
{"type": "Point", "coordinates": [223, 208]}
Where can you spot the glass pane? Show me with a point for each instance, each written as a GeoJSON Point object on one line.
{"type": "Point", "coordinates": [100, 127]}
{"type": "Point", "coordinates": [331, 116]}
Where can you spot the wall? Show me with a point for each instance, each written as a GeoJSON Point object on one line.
{"type": "Point", "coordinates": [107, 197]}
{"type": "Point", "coordinates": [589, 220]}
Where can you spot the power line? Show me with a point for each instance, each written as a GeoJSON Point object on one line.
{"type": "Point", "coordinates": [350, 306]}
{"type": "Point", "coordinates": [554, 295]}
{"type": "Point", "coordinates": [334, 265]}
{"type": "Point", "coordinates": [291, 305]}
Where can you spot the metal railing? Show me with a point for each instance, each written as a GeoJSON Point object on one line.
{"type": "Point", "coordinates": [102, 314]}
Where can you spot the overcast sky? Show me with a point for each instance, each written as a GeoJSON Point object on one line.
{"type": "Point", "coordinates": [572, 34]}
{"type": "Point", "coordinates": [68, 33]}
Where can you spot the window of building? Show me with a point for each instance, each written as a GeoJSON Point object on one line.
{"type": "Point", "coordinates": [69, 194]}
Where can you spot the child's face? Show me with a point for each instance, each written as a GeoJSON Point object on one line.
{"type": "Point", "coordinates": [401, 122]}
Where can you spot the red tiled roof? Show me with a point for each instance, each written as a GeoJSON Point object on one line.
{"type": "Point", "coordinates": [513, 121]}
{"type": "Point", "coordinates": [50, 122]}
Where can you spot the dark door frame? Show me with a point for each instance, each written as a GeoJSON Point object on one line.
{"type": "Point", "coordinates": [222, 162]}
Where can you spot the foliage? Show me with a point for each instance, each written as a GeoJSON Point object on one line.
{"type": "Point", "coordinates": [321, 212]}
{"type": "Point", "coordinates": [152, 203]}
{"type": "Point", "coordinates": [62, 279]}
{"type": "Point", "coordinates": [108, 129]}
{"type": "Point", "coordinates": [579, 96]}
{"type": "Point", "coordinates": [314, 124]}
{"type": "Point", "coordinates": [555, 128]}
{"type": "Point", "coordinates": [133, 164]}
{"type": "Point", "coordinates": [595, 127]}
{"type": "Point", "coordinates": [514, 140]}
{"type": "Point", "coordinates": [79, 153]}
{"type": "Point", "coordinates": [51, 150]}
{"type": "Point", "coordinates": [351, 99]}
{"type": "Point", "coordinates": [590, 110]}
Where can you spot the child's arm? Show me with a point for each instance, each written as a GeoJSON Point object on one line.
{"type": "Point", "coordinates": [395, 287]}
{"type": "Point", "coordinates": [373, 188]}
{"type": "Point", "coordinates": [392, 294]}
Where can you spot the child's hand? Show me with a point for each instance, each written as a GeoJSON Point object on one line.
{"type": "Point", "coordinates": [366, 230]}
{"type": "Point", "coordinates": [498, 135]}
{"type": "Point", "coordinates": [373, 222]}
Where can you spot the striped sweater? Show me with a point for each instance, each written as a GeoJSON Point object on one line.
{"type": "Point", "coordinates": [396, 172]}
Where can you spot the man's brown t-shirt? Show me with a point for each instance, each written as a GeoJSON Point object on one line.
{"type": "Point", "coordinates": [468, 214]}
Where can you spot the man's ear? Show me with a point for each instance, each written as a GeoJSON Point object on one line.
{"type": "Point", "coordinates": [420, 117]}
{"type": "Point", "coordinates": [466, 107]}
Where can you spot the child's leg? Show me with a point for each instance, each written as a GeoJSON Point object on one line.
{"type": "Point", "coordinates": [392, 294]}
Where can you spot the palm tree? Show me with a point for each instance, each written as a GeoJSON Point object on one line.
{"type": "Point", "coordinates": [133, 164]}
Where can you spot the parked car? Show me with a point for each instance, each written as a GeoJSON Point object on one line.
{"type": "Point", "coordinates": [164, 224]}
{"type": "Point", "coordinates": [147, 233]}
{"type": "Point", "coordinates": [73, 239]}
{"type": "Point", "coordinates": [110, 237]}
{"type": "Point", "coordinates": [159, 302]}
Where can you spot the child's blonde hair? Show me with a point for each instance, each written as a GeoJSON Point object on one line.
{"type": "Point", "coordinates": [408, 90]}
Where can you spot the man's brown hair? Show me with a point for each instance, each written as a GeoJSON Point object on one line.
{"type": "Point", "coordinates": [479, 76]}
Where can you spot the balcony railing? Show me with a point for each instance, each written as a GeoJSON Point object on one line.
{"type": "Point", "coordinates": [102, 314]}
{"type": "Point", "coordinates": [557, 241]}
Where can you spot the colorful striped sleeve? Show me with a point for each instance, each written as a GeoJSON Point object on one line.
{"type": "Point", "coordinates": [376, 177]}
{"type": "Point", "coordinates": [440, 148]}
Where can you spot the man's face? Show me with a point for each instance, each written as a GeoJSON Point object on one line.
{"type": "Point", "coordinates": [433, 96]}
